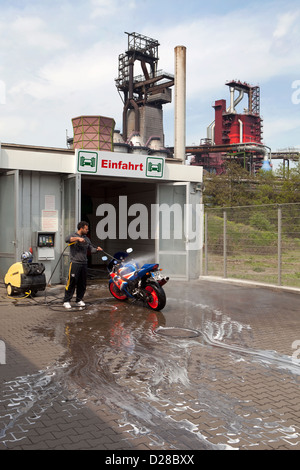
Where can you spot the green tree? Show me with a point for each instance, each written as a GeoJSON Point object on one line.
{"type": "Point", "coordinates": [290, 184]}
{"type": "Point", "coordinates": [231, 188]}
{"type": "Point", "coordinates": [236, 187]}
{"type": "Point", "coordinates": [267, 188]}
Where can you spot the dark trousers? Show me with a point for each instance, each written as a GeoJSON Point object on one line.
{"type": "Point", "coordinates": [76, 279]}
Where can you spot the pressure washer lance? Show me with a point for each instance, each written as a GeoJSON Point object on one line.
{"type": "Point", "coordinates": [129, 250]}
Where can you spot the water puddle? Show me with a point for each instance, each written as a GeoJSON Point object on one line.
{"type": "Point", "coordinates": [181, 386]}
{"type": "Point", "coordinates": [27, 398]}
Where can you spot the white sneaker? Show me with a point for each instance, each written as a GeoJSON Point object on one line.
{"type": "Point", "coordinates": [67, 305]}
{"type": "Point", "coordinates": [80, 303]}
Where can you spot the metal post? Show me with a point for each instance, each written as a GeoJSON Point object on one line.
{"type": "Point", "coordinates": [225, 242]}
{"type": "Point", "coordinates": [17, 214]}
{"type": "Point", "coordinates": [206, 242]}
{"type": "Point", "coordinates": [279, 244]}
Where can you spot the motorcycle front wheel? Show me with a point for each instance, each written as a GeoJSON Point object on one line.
{"type": "Point", "coordinates": [157, 297]}
{"type": "Point", "coordinates": [115, 291]}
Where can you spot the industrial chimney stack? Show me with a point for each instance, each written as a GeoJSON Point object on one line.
{"type": "Point", "coordinates": [180, 103]}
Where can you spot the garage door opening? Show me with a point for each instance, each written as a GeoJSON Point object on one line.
{"type": "Point", "coordinates": [160, 220]}
{"type": "Point", "coordinates": [112, 210]}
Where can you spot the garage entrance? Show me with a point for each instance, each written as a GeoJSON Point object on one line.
{"type": "Point", "coordinates": [109, 207]}
{"type": "Point", "coordinates": [161, 221]}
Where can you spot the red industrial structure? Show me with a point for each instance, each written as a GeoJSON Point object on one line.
{"type": "Point", "coordinates": [233, 134]}
{"type": "Point", "coordinates": [230, 127]}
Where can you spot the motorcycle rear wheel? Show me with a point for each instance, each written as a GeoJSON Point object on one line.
{"type": "Point", "coordinates": [115, 292]}
{"type": "Point", "coordinates": [157, 300]}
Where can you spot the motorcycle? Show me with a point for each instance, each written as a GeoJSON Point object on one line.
{"type": "Point", "coordinates": [130, 281]}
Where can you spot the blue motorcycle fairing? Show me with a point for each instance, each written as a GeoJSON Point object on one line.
{"type": "Point", "coordinates": [149, 266]}
{"type": "Point", "coordinates": [146, 268]}
{"type": "Point", "coordinates": [128, 268]}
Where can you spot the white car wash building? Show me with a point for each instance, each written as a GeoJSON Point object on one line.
{"type": "Point", "coordinates": [127, 187]}
{"type": "Point", "coordinates": [151, 203]}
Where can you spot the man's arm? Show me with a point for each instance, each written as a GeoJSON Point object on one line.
{"type": "Point", "coordinates": [76, 239]}
{"type": "Point", "coordinates": [92, 247]}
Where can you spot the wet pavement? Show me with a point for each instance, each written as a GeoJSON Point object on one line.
{"type": "Point", "coordinates": [218, 368]}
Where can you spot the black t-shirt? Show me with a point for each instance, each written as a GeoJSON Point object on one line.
{"type": "Point", "coordinates": [78, 250]}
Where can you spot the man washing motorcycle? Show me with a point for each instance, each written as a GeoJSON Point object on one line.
{"type": "Point", "coordinates": [79, 245]}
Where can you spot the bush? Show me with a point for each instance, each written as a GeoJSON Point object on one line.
{"type": "Point", "coordinates": [261, 222]}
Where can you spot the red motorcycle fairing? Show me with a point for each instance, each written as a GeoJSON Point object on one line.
{"type": "Point", "coordinates": [118, 280]}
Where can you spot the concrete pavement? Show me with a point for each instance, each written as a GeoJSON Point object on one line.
{"type": "Point", "coordinates": [218, 368]}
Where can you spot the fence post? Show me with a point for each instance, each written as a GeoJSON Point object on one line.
{"type": "Point", "coordinates": [225, 242]}
{"type": "Point", "coordinates": [279, 218]}
{"type": "Point", "coordinates": [206, 242]}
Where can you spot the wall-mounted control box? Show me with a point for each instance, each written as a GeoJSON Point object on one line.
{"type": "Point", "coordinates": [45, 245]}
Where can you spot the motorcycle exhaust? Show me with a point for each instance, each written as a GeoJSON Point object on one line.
{"type": "Point", "coordinates": [164, 281]}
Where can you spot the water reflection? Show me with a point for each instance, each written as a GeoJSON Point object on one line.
{"type": "Point", "coordinates": [184, 392]}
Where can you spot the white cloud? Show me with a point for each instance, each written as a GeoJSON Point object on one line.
{"type": "Point", "coordinates": [274, 127]}
{"type": "Point", "coordinates": [33, 31]}
{"type": "Point", "coordinates": [14, 126]}
{"type": "Point", "coordinates": [285, 23]}
{"type": "Point", "coordinates": [55, 69]}
{"type": "Point", "coordinates": [105, 8]}
{"type": "Point", "coordinates": [240, 45]}
{"type": "Point", "coordinates": [88, 70]}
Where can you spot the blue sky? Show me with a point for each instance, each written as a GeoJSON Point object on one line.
{"type": "Point", "coordinates": [59, 60]}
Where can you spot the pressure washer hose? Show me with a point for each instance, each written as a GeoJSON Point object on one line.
{"type": "Point", "coordinates": [63, 253]}
{"type": "Point", "coordinates": [69, 244]}
{"type": "Point", "coordinates": [48, 284]}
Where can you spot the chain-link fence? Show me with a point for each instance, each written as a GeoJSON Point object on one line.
{"type": "Point", "coordinates": [259, 243]}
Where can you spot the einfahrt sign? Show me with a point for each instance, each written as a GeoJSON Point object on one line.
{"type": "Point", "coordinates": [120, 164]}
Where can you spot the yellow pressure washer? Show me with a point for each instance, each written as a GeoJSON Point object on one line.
{"type": "Point", "coordinates": [25, 276]}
